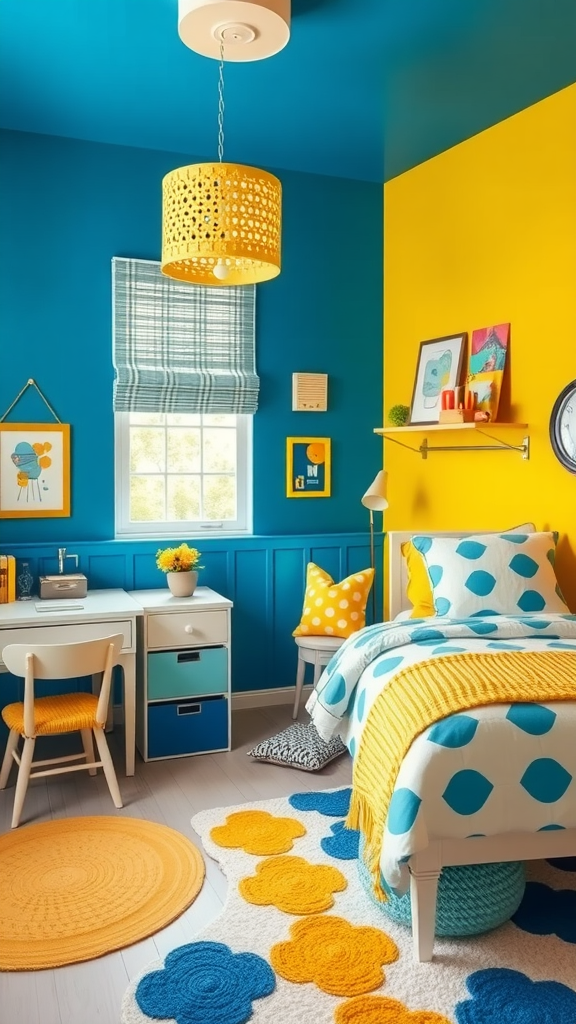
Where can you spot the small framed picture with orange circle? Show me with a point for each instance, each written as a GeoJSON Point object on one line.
{"type": "Point", "coordinates": [308, 467]}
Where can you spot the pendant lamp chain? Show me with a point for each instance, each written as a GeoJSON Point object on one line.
{"type": "Point", "coordinates": [221, 104]}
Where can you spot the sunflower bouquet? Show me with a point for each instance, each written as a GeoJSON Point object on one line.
{"type": "Point", "coordinates": [181, 559]}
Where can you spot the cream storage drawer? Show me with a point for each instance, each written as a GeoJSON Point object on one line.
{"type": "Point", "coordinates": [70, 634]}
{"type": "Point", "coordinates": [182, 629]}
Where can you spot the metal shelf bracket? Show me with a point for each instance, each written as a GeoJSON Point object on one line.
{"type": "Point", "coordinates": [500, 446]}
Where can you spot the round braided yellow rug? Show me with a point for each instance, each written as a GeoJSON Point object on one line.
{"type": "Point", "coordinates": [76, 888]}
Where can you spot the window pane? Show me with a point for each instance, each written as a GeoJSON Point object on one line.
{"type": "Point", "coordinates": [147, 499]}
{"type": "Point", "coordinates": [147, 453]}
{"type": "Point", "coordinates": [183, 419]}
{"type": "Point", "coordinates": [183, 450]}
{"type": "Point", "coordinates": [147, 419]}
{"type": "Point", "coordinates": [183, 498]}
{"type": "Point", "coordinates": [219, 497]}
{"type": "Point", "coordinates": [219, 419]}
{"type": "Point", "coordinates": [219, 451]}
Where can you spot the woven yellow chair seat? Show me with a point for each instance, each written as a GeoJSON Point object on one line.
{"type": "Point", "coordinates": [66, 712]}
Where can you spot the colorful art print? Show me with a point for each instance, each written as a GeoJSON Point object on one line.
{"type": "Point", "coordinates": [34, 470]}
{"type": "Point", "coordinates": [440, 364]}
{"type": "Point", "coordinates": [308, 467]}
{"type": "Point", "coordinates": [488, 352]}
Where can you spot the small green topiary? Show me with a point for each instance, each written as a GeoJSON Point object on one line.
{"type": "Point", "coordinates": [399, 415]}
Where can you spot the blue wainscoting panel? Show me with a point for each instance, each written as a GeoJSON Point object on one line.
{"type": "Point", "coordinates": [264, 577]}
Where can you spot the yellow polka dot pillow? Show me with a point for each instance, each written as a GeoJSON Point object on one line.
{"type": "Point", "coordinates": [334, 609]}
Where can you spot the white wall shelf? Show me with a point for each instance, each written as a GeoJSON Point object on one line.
{"type": "Point", "coordinates": [391, 434]}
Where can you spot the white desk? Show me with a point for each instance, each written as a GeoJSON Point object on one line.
{"type": "Point", "coordinates": [101, 613]}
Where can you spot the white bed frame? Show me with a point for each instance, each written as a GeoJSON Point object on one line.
{"type": "Point", "coordinates": [425, 867]}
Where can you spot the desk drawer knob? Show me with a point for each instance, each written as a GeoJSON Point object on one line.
{"type": "Point", "coordinates": [188, 629]}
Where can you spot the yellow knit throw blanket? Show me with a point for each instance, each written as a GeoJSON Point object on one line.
{"type": "Point", "coordinates": [420, 695]}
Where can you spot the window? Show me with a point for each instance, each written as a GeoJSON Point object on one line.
{"type": "Point", "coordinates": [179, 473]}
{"type": "Point", "coordinates": [185, 390]}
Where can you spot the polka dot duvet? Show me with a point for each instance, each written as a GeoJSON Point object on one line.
{"type": "Point", "coordinates": [485, 770]}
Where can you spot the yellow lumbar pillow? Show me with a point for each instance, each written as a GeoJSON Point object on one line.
{"type": "Point", "coordinates": [418, 590]}
{"type": "Point", "coordinates": [334, 609]}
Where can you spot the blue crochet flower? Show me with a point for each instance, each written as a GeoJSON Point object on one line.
{"type": "Point", "coordinates": [205, 983]}
{"type": "Point", "coordinates": [500, 996]}
{"type": "Point", "coordinates": [546, 911]}
{"type": "Point", "coordinates": [333, 805]}
{"type": "Point", "coordinates": [343, 844]}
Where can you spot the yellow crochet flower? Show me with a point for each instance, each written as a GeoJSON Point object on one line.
{"type": "Point", "coordinates": [380, 1010]}
{"type": "Point", "coordinates": [257, 832]}
{"type": "Point", "coordinates": [342, 959]}
{"type": "Point", "coordinates": [293, 885]}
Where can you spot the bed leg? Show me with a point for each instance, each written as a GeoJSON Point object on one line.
{"type": "Point", "coordinates": [423, 892]}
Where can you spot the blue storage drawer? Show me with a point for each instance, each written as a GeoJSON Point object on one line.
{"type": "Point", "coordinates": [189, 726]}
{"type": "Point", "coordinates": [193, 672]}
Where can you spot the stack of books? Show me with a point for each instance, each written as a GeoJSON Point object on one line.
{"type": "Point", "coordinates": [7, 578]}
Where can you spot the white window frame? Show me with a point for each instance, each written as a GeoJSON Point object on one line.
{"type": "Point", "coordinates": [180, 528]}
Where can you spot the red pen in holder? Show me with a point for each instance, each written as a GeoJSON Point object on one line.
{"type": "Point", "coordinates": [447, 399]}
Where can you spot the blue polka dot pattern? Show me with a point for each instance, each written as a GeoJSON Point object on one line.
{"type": "Point", "coordinates": [480, 583]}
{"type": "Point", "coordinates": [335, 690]}
{"type": "Point", "coordinates": [546, 911]}
{"type": "Point", "coordinates": [481, 628]}
{"type": "Point", "coordinates": [333, 805]}
{"type": "Point", "coordinates": [449, 650]}
{"type": "Point", "coordinates": [435, 573]}
{"type": "Point", "coordinates": [360, 705]}
{"type": "Point", "coordinates": [483, 613]}
{"type": "Point", "coordinates": [343, 844]}
{"type": "Point", "coordinates": [563, 647]}
{"type": "Point", "coordinates": [531, 718]}
{"type": "Point", "coordinates": [515, 538]}
{"type": "Point", "coordinates": [524, 566]}
{"type": "Point", "coordinates": [387, 665]}
{"type": "Point", "coordinates": [536, 623]}
{"type": "Point", "coordinates": [426, 634]}
{"type": "Point", "coordinates": [551, 828]}
{"type": "Point", "coordinates": [471, 549]}
{"type": "Point", "coordinates": [352, 746]}
{"type": "Point", "coordinates": [205, 982]}
{"type": "Point", "coordinates": [423, 544]}
{"type": "Point", "coordinates": [455, 731]}
{"type": "Point", "coordinates": [546, 780]}
{"type": "Point", "coordinates": [404, 807]}
{"type": "Point", "coordinates": [500, 645]}
{"type": "Point", "coordinates": [443, 606]}
{"type": "Point", "coordinates": [531, 601]}
{"type": "Point", "coordinates": [501, 996]}
{"type": "Point", "coordinates": [467, 791]}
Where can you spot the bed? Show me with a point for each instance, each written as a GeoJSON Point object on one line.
{"type": "Point", "coordinates": [517, 758]}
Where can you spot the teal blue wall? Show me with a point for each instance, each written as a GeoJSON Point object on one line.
{"type": "Point", "coordinates": [68, 206]}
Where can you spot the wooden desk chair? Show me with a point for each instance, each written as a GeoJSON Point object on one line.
{"type": "Point", "coordinates": [69, 712]}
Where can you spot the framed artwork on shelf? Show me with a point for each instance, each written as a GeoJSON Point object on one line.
{"type": "Point", "coordinates": [34, 470]}
{"type": "Point", "coordinates": [488, 352]}
{"type": "Point", "coordinates": [308, 467]}
{"type": "Point", "coordinates": [440, 365]}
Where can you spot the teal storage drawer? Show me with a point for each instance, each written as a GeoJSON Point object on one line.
{"type": "Point", "coordinates": [198, 671]}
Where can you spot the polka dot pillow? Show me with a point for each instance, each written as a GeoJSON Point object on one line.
{"type": "Point", "coordinates": [492, 574]}
{"type": "Point", "coordinates": [334, 609]}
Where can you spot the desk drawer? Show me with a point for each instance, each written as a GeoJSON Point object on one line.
{"type": "Point", "coordinates": [176, 629]}
{"type": "Point", "coordinates": [70, 634]}
{"type": "Point", "coordinates": [176, 728]}
{"type": "Point", "coordinates": [188, 673]}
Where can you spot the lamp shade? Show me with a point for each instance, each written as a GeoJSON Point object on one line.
{"type": "Point", "coordinates": [221, 214]}
{"type": "Point", "coordinates": [375, 497]}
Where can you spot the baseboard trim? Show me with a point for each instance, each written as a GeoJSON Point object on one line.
{"type": "Point", "coordinates": [266, 698]}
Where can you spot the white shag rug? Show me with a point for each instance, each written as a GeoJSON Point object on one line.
{"type": "Point", "coordinates": [450, 986]}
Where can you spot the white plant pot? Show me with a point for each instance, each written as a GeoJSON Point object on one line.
{"type": "Point", "coordinates": [182, 584]}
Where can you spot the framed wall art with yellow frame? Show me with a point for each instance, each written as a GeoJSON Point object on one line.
{"type": "Point", "coordinates": [34, 470]}
{"type": "Point", "coordinates": [308, 467]}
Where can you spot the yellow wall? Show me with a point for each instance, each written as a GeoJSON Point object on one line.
{"type": "Point", "coordinates": [485, 234]}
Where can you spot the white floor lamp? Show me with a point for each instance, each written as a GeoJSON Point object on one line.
{"type": "Point", "coordinates": [376, 501]}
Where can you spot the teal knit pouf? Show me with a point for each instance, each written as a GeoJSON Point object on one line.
{"type": "Point", "coordinates": [471, 899]}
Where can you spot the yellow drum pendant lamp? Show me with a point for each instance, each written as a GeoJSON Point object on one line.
{"type": "Point", "coordinates": [220, 221]}
{"type": "Point", "coordinates": [221, 224]}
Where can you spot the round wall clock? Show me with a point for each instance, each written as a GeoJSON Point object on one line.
{"type": "Point", "coordinates": [563, 427]}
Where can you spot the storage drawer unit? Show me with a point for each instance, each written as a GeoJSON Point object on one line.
{"type": "Point", "coordinates": [195, 672]}
{"type": "Point", "coordinates": [183, 674]}
{"type": "Point", "coordinates": [176, 728]}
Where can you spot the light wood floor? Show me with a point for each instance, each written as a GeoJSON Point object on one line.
{"type": "Point", "coordinates": [169, 792]}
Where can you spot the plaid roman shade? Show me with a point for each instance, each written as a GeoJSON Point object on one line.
{"type": "Point", "coordinates": [181, 347]}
